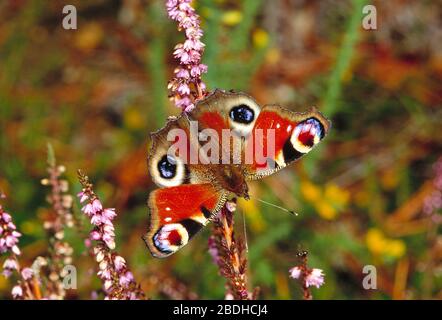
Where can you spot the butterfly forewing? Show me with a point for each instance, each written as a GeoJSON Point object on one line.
{"type": "Point", "coordinates": [280, 137]}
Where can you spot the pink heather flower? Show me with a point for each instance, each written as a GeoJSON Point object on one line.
{"type": "Point", "coordinates": [315, 278]}
{"type": "Point", "coordinates": [184, 102]}
{"type": "Point", "coordinates": [8, 235]}
{"type": "Point", "coordinates": [88, 209]}
{"type": "Point", "coordinates": [107, 285]}
{"type": "Point", "coordinates": [17, 291]}
{"type": "Point", "coordinates": [16, 250]}
{"type": "Point", "coordinates": [189, 55]}
{"type": "Point", "coordinates": [109, 213]}
{"type": "Point", "coordinates": [126, 279]}
{"type": "Point", "coordinates": [87, 243]}
{"type": "Point", "coordinates": [295, 272]}
{"type": "Point", "coordinates": [27, 273]}
{"type": "Point", "coordinates": [6, 217]}
{"type": "Point", "coordinates": [96, 220]}
{"type": "Point", "coordinates": [119, 262]}
{"type": "Point", "coordinates": [189, 107]}
{"type": "Point", "coordinates": [105, 274]}
{"type": "Point", "coordinates": [193, 44]}
{"type": "Point", "coordinates": [96, 205]}
{"type": "Point", "coordinates": [11, 241]}
{"type": "Point", "coordinates": [196, 71]}
{"type": "Point", "coordinates": [95, 235]}
{"type": "Point", "coordinates": [109, 228]}
{"type": "Point", "coordinates": [194, 33]}
{"type": "Point", "coordinates": [183, 89]}
{"type": "Point", "coordinates": [109, 240]}
{"type": "Point", "coordinates": [213, 251]}
{"type": "Point", "coordinates": [7, 273]}
{"type": "Point", "coordinates": [229, 296]}
{"type": "Point", "coordinates": [10, 264]}
{"type": "Point", "coordinates": [194, 56]}
{"type": "Point", "coordinates": [83, 197]}
{"type": "Point", "coordinates": [231, 206]}
{"type": "Point", "coordinates": [182, 73]}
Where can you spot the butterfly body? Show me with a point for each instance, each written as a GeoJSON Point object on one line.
{"type": "Point", "coordinates": [204, 158]}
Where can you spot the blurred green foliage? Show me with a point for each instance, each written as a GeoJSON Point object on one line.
{"type": "Point", "coordinates": [95, 93]}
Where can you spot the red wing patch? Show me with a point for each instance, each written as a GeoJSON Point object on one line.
{"type": "Point", "coordinates": [270, 120]}
{"type": "Point", "coordinates": [213, 120]}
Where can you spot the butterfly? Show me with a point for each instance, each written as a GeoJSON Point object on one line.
{"type": "Point", "coordinates": [196, 180]}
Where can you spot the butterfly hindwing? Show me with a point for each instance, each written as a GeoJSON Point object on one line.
{"type": "Point", "coordinates": [178, 213]}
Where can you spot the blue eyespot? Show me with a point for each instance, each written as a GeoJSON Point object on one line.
{"type": "Point", "coordinates": [167, 167]}
{"type": "Point", "coordinates": [242, 114]}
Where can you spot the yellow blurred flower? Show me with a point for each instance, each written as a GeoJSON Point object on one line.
{"type": "Point", "coordinates": [328, 201]}
{"type": "Point", "coordinates": [260, 38]}
{"type": "Point", "coordinates": [231, 17]}
{"type": "Point", "coordinates": [326, 210]}
{"type": "Point", "coordinates": [89, 36]}
{"type": "Point", "coordinates": [310, 191]}
{"type": "Point", "coordinates": [336, 195]}
{"type": "Point", "coordinates": [133, 119]}
{"type": "Point", "coordinates": [378, 244]}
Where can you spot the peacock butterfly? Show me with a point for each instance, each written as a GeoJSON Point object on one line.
{"type": "Point", "coordinates": [205, 157]}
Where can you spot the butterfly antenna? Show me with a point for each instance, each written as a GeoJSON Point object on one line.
{"type": "Point", "coordinates": [245, 231]}
{"type": "Point", "coordinates": [276, 206]}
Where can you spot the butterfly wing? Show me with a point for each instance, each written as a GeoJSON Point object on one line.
{"type": "Point", "coordinates": [226, 110]}
{"type": "Point", "coordinates": [280, 137]}
{"type": "Point", "coordinates": [171, 157]}
{"type": "Point", "coordinates": [178, 213]}
{"type": "Point", "coordinates": [230, 116]}
{"type": "Point", "coordinates": [267, 139]}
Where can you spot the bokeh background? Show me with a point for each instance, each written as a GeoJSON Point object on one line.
{"type": "Point", "coordinates": [96, 92]}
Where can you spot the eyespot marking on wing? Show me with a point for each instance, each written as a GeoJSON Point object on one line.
{"type": "Point", "coordinates": [168, 170]}
{"type": "Point", "coordinates": [170, 237]}
{"type": "Point", "coordinates": [242, 114]}
{"type": "Point", "coordinates": [167, 167]}
{"type": "Point", "coordinates": [306, 135]}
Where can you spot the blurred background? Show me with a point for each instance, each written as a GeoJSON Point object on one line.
{"type": "Point", "coordinates": [368, 195]}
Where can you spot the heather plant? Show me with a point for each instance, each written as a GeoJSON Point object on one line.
{"type": "Point", "coordinates": [118, 280]}
{"type": "Point", "coordinates": [44, 278]}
